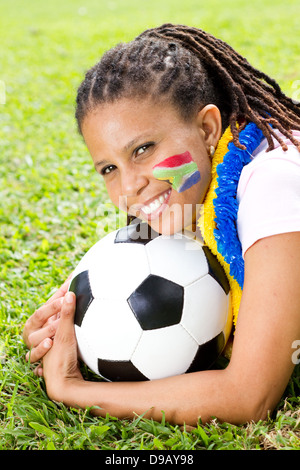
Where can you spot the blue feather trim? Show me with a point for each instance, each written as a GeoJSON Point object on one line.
{"type": "Point", "coordinates": [226, 204]}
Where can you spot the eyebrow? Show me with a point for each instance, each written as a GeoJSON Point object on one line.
{"type": "Point", "coordinates": [125, 149]}
{"type": "Point", "coordinates": [100, 163]}
{"type": "Point", "coordinates": [134, 142]}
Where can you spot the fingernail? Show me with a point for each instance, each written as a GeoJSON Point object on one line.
{"type": "Point", "coordinates": [69, 297]}
{"type": "Point", "coordinates": [47, 343]}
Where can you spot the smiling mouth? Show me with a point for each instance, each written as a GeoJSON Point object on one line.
{"type": "Point", "coordinates": [155, 207]}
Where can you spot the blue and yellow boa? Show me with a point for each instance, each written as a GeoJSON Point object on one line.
{"type": "Point", "coordinates": [218, 218]}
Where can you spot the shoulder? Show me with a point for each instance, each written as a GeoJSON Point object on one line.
{"type": "Point", "coordinates": [271, 165]}
{"type": "Point", "coordinates": [269, 194]}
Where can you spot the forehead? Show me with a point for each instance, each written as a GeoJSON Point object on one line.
{"type": "Point", "coordinates": [120, 122]}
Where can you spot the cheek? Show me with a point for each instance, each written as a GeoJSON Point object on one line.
{"type": "Point", "coordinates": [115, 196]}
{"type": "Point", "coordinates": [180, 171]}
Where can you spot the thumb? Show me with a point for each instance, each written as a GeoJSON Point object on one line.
{"type": "Point", "coordinates": [65, 330]}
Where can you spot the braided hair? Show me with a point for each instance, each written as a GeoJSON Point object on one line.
{"type": "Point", "coordinates": [191, 68]}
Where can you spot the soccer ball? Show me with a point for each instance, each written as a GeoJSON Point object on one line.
{"type": "Point", "coordinates": [149, 306]}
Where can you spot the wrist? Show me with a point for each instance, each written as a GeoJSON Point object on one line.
{"type": "Point", "coordinates": [64, 391]}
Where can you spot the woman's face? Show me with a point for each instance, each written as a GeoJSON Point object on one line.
{"type": "Point", "coordinates": [127, 138]}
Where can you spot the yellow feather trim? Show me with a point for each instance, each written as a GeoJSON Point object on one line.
{"type": "Point", "coordinates": [207, 224]}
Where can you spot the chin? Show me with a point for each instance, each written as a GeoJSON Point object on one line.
{"type": "Point", "coordinates": [167, 227]}
{"type": "Point", "coordinates": [174, 219]}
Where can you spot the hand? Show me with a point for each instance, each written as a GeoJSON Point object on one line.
{"type": "Point", "coordinates": [60, 364]}
{"type": "Point", "coordinates": [40, 328]}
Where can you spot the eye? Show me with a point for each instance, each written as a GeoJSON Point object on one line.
{"type": "Point", "coordinates": [140, 150]}
{"type": "Point", "coordinates": [107, 169]}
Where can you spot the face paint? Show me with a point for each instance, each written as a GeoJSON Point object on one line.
{"type": "Point", "coordinates": [180, 171]}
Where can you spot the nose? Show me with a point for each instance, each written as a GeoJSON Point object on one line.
{"type": "Point", "coordinates": [133, 182]}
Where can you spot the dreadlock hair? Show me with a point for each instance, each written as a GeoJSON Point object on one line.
{"type": "Point", "coordinates": [191, 68]}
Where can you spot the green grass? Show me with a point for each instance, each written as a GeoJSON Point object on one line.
{"type": "Point", "coordinates": [50, 198]}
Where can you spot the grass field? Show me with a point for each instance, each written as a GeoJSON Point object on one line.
{"type": "Point", "coordinates": [50, 197]}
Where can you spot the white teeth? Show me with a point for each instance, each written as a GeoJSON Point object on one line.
{"type": "Point", "coordinates": [154, 205]}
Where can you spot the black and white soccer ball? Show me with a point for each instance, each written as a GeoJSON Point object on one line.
{"type": "Point", "coordinates": [149, 306]}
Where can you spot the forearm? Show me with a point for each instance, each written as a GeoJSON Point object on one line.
{"type": "Point", "coordinates": [246, 390]}
{"type": "Point", "coordinates": [183, 399]}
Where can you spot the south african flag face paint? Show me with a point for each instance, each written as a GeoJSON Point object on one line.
{"type": "Point", "coordinates": [179, 170]}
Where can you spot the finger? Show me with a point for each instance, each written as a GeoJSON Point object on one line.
{"type": "Point", "coordinates": [49, 309]}
{"type": "Point", "coordinates": [42, 314]}
{"type": "Point", "coordinates": [35, 354]}
{"type": "Point", "coordinates": [38, 371]}
{"type": "Point", "coordinates": [65, 330]}
{"type": "Point", "coordinates": [38, 336]}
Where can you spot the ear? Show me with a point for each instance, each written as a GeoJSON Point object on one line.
{"type": "Point", "coordinates": [210, 122]}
